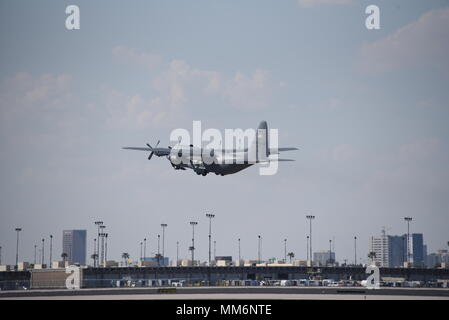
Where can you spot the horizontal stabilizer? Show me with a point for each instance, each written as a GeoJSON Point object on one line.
{"type": "Point", "coordinates": [275, 151]}
{"type": "Point", "coordinates": [278, 160]}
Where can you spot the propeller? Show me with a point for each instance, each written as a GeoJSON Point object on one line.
{"type": "Point", "coordinates": [152, 152]}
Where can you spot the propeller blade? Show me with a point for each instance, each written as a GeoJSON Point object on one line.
{"type": "Point", "coordinates": [152, 149]}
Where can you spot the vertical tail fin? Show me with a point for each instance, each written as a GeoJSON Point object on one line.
{"type": "Point", "coordinates": [259, 145]}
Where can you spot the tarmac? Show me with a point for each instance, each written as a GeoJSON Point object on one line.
{"type": "Point", "coordinates": [230, 293]}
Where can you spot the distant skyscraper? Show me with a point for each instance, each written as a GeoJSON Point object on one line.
{"type": "Point", "coordinates": [379, 245]}
{"type": "Point", "coordinates": [397, 246]}
{"type": "Point", "coordinates": [417, 249]}
{"type": "Point", "coordinates": [74, 245]}
{"type": "Point", "coordinates": [391, 251]}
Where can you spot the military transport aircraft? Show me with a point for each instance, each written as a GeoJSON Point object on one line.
{"type": "Point", "coordinates": [219, 161]}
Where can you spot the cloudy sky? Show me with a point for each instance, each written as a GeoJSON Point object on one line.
{"type": "Point", "coordinates": [367, 108]}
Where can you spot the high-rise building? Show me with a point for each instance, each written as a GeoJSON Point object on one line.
{"type": "Point", "coordinates": [397, 246]}
{"type": "Point", "coordinates": [391, 251]}
{"type": "Point", "coordinates": [417, 249]}
{"type": "Point", "coordinates": [74, 245]}
{"type": "Point", "coordinates": [379, 245]}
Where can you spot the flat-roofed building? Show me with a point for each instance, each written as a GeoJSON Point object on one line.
{"type": "Point", "coordinates": [74, 245]}
{"type": "Point", "coordinates": [379, 245]}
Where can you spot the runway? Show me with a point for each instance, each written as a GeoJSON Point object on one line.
{"type": "Point", "coordinates": [231, 293]}
{"type": "Point", "coordinates": [233, 297]}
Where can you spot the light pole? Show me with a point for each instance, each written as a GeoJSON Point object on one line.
{"type": "Point", "coordinates": [163, 225]}
{"type": "Point", "coordinates": [330, 251]}
{"type": "Point", "coordinates": [158, 249]}
{"type": "Point", "coordinates": [258, 249]}
{"type": "Point", "coordinates": [285, 250]}
{"type": "Point", "coordinates": [106, 249]}
{"type": "Point", "coordinates": [95, 253]}
{"type": "Point", "coordinates": [310, 218]}
{"type": "Point", "coordinates": [141, 243]}
{"type": "Point", "coordinates": [43, 254]}
{"type": "Point", "coordinates": [17, 248]}
{"type": "Point", "coordinates": [408, 220]}
{"type": "Point", "coordinates": [177, 253]}
{"type": "Point", "coordinates": [355, 251]}
{"type": "Point", "coordinates": [240, 258]}
{"type": "Point", "coordinates": [210, 216]}
{"type": "Point", "coordinates": [51, 248]}
{"type": "Point", "coordinates": [404, 249]}
{"type": "Point", "coordinates": [144, 249]}
{"type": "Point", "coordinates": [193, 224]}
{"type": "Point", "coordinates": [103, 234]}
{"type": "Point", "coordinates": [307, 248]}
{"type": "Point", "coordinates": [98, 224]}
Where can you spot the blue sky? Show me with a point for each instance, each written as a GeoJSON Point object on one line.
{"type": "Point", "coordinates": [367, 108]}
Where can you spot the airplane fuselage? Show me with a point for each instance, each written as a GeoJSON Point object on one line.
{"type": "Point", "coordinates": [204, 161]}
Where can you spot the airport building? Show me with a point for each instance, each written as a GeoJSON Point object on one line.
{"type": "Point", "coordinates": [154, 261]}
{"type": "Point", "coordinates": [74, 245]}
{"type": "Point", "coordinates": [437, 259]}
{"type": "Point", "coordinates": [323, 258]}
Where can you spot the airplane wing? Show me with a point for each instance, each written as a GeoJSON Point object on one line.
{"type": "Point", "coordinates": [138, 149]}
{"type": "Point", "coordinates": [157, 151]}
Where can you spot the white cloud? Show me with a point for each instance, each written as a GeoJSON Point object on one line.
{"type": "Point", "coordinates": [42, 103]}
{"type": "Point", "coordinates": [315, 3]}
{"type": "Point", "coordinates": [178, 82]}
{"type": "Point", "coordinates": [130, 55]}
{"type": "Point", "coordinates": [179, 78]}
{"type": "Point", "coordinates": [424, 42]}
{"type": "Point", "coordinates": [249, 92]}
{"type": "Point", "coordinates": [23, 92]}
{"type": "Point", "coordinates": [135, 111]}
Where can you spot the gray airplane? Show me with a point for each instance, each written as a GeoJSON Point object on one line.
{"type": "Point", "coordinates": [219, 161]}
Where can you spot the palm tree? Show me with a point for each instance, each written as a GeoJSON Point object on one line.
{"type": "Point", "coordinates": [64, 256]}
{"type": "Point", "coordinates": [158, 257]}
{"type": "Point", "coordinates": [291, 255]}
{"type": "Point", "coordinates": [125, 256]}
{"type": "Point", "coordinates": [94, 257]}
{"type": "Point", "coordinates": [372, 255]}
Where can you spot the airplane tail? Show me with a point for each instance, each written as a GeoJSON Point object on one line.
{"type": "Point", "coordinates": [259, 146]}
